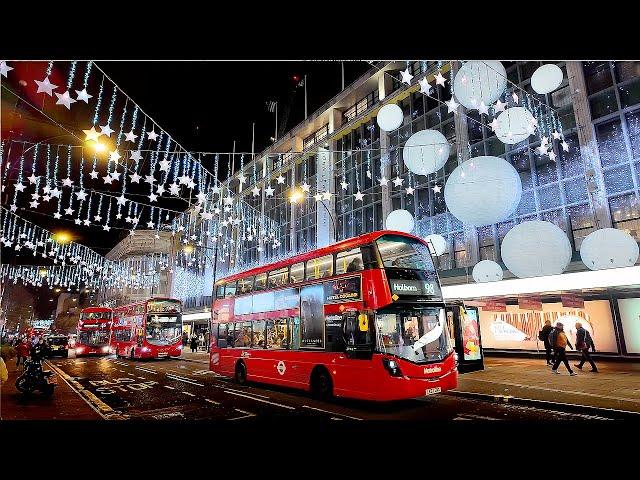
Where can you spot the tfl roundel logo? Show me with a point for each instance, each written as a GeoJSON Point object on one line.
{"type": "Point", "coordinates": [281, 367]}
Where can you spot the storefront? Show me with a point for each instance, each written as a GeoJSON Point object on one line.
{"type": "Point", "coordinates": [512, 312]}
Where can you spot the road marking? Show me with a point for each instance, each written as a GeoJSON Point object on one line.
{"type": "Point", "coordinates": [147, 370]}
{"type": "Point", "coordinates": [254, 394]}
{"type": "Point", "coordinates": [472, 416]}
{"type": "Point", "coordinates": [461, 418]}
{"type": "Point", "coordinates": [246, 414]}
{"type": "Point", "coordinates": [188, 393]}
{"type": "Point", "coordinates": [332, 413]}
{"type": "Point", "coordinates": [182, 379]}
{"type": "Point", "coordinates": [142, 378]}
{"type": "Point", "coordinates": [133, 375]}
{"type": "Point", "coordinates": [260, 400]}
{"type": "Point", "coordinates": [167, 386]}
{"type": "Point", "coordinates": [212, 401]}
{"type": "Point", "coordinates": [121, 371]}
{"type": "Point", "coordinates": [100, 407]}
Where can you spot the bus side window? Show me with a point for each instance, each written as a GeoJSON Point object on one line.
{"type": "Point", "coordinates": [222, 335]}
{"type": "Point", "coordinates": [230, 290]}
{"type": "Point", "coordinates": [220, 291]}
{"type": "Point", "coordinates": [294, 333]}
{"type": "Point", "coordinates": [258, 337]}
{"type": "Point", "coordinates": [297, 273]}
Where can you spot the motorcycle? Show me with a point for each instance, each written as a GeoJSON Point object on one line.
{"type": "Point", "coordinates": [35, 378]}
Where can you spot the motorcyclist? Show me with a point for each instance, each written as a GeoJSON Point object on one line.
{"type": "Point", "coordinates": [39, 350]}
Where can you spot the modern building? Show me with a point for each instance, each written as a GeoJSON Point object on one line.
{"type": "Point", "coordinates": [593, 185]}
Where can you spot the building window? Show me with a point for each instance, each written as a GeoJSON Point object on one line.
{"type": "Point", "coordinates": [625, 214]}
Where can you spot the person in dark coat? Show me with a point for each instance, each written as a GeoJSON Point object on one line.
{"type": "Point", "coordinates": [194, 343]}
{"type": "Point", "coordinates": [23, 351]}
{"type": "Point", "coordinates": [544, 336]}
{"type": "Point", "coordinates": [559, 341]}
{"type": "Point", "coordinates": [583, 343]}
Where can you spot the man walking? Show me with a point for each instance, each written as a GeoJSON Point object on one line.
{"type": "Point", "coordinates": [558, 339]}
{"type": "Point", "coordinates": [583, 343]}
{"type": "Point", "coordinates": [544, 336]}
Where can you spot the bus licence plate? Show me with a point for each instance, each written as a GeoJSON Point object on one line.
{"type": "Point", "coordinates": [431, 391]}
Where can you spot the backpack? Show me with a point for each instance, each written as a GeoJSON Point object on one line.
{"type": "Point", "coordinates": [541, 335]}
{"type": "Point", "coordinates": [553, 336]}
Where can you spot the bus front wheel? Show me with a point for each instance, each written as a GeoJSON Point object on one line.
{"type": "Point", "coordinates": [241, 373]}
{"type": "Point", "coordinates": [321, 384]}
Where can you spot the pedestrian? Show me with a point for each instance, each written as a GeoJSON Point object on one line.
{"type": "Point", "coordinates": [544, 336]}
{"type": "Point", "coordinates": [185, 339]}
{"type": "Point", "coordinates": [583, 343]}
{"type": "Point", "coordinates": [22, 351]}
{"type": "Point", "coordinates": [194, 343]}
{"type": "Point", "coordinates": [559, 341]}
{"type": "Point", "coordinates": [206, 339]}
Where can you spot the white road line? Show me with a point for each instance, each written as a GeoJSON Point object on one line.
{"type": "Point", "coordinates": [182, 379]}
{"type": "Point", "coordinates": [471, 416]}
{"type": "Point", "coordinates": [146, 370]}
{"type": "Point", "coordinates": [130, 374]}
{"type": "Point", "coordinates": [332, 413]}
{"type": "Point", "coordinates": [260, 400]}
{"type": "Point", "coordinates": [240, 391]}
{"type": "Point", "coordinates": [167, 386]}
{"type": "Point", "coordinates": [246, 414]}
{"type": "Point", "coordinates": [212, 401]}
{"type": "Point", "coordinates": [188, 393]}
{"type": "Point", "coordinates": [142, 378]}
{"type": "Point", "coordinates": [121, 371]}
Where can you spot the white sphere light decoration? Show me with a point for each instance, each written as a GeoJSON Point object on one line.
{"type": "Point", "coordinates": [514, 125]}
{"type": "Point", "coordinates": [390, 117]}
{"type": "Point", "coordinates": [546, 78]}
{"type": "Point", "coordinates": [479, 81]}
{"type": "Point", "coordinates": [483, 190]}
{"type": "Point", "coordinates": [400, 220]}
{"type": "Point", "coordinates": [487, 271]}
{"type": "Point", "coordinates": [437, 244]}
{"type": "Point", "coordinates": [536, 248]}
{"type": "Point", "coordinates": [426, 152]}
{"type": "Point", "coordinates": [609, 248]}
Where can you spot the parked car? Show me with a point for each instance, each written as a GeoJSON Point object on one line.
{"type": "Point", "coordinates": [58, 345]}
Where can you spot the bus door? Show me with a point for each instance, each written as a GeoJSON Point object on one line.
{"type": "Point", "coordinates": [358, 334]}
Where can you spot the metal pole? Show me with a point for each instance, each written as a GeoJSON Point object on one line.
{"type": "Point", "coordinates": [305, 97]}
{"type": "Point", "coordinates": [342, 64]}
{"type": "Point", "coordinates": [276, 134]}
{"type": "Point", "coordinates": [253, 139]}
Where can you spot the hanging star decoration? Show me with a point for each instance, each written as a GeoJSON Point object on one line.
{"type": "Point", "coordinates": [56, 192]}
{"type": "Point", "coordinates": [152, 135]}
{"type": "Point", "coordinates": [452, 106]}
{"type": "Point", "coordinates": [384, 181]}
{"type": "Point", "coordinates": [4, 68]}
{"type": "Point", "coordinates": [115, 175]}
{"type": "Point", "coordinates": [65, 99]}
{"type": "Point", "coordinates": [57, 216]}
{"type": "Point", "coordinates": [92, 134]}
{"type": "Point", "coordinates": [93, 174]}
{"type": "Point", "coordinates": [406, 76]}
{"type": "Point", "coordinates": [107, 179]}
{"type": "Point", "coordinates": [32, 178]}
{"type": "Point", "coordinates": [255, 191]}
{"type": "Point", "coordinates": [164, 165]}
{"type": "Point", "coordinates": [317, 197]}
{"type": "Point", "coordinates": [344, 185]}
{"type": "Point", "coordinates": [45, 86]}
{"type": "Point", "coordinates": [81, 195]}
{"type": "Point", "coordinates": [305, 187]}
{"type": "Point", "coordinates": [499, 106]}
{"type": "Point", "coordinates": [121, 199]}
{"type": "Point", "coordinates": [114, 156]}
{"type": "Point", "coordinates": [483, 109]}
{"type": "Point", "coordinates": [106, 130]}
{"type": "Point", "coordinates": [280, 179]}
{"type": "Point", "coordinates": [424, 86]}
{"type": "Point", "coordinates": [565, 146]}
{"type": "Point", "coordinates": [552, 155]}
{"type": "Point", "coordinates": [174, 189]}
{"type": "Point", "coordinates": [269, 191]}
{"type": "Point", "coordinates": [106, 228]}
{"type": "Point", "coordinates": [398, 181]}
{"type": "Point", "coordinates": [34, 204]}
{"type": "Point", "coordinates": [556, 135]}
{"type": "Point", "coordinates": [83, 96]}
{"type": "Point", "coordinates": [150, 179]}
{"type": "Point", "coordinates": [130, 137]}
{"type": "Point", "coordinates": [410, 190]}
{"type": "Point", "coordinates": [20, 187]}
{"type": "Point", "coordinates": [69, 211]}
{"type": "Point", "coordinates": [135, 178]}
{"type": "Point", "coordinates": [67, 182]}
{"type": "Point", "coordinates": [359, 196]}
{"type": "Point", "coordinates": [440, 79]}
{"type": "Point", "coordinates": [135, 155]}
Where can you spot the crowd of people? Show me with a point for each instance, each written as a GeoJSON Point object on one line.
{"type": "Point", "coordinates": [194, 341]}
{"type": "Point", "coordinates": [555, 344]}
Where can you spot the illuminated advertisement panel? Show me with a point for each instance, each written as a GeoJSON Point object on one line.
{"type": "Point", "coordinates": [630, 317]}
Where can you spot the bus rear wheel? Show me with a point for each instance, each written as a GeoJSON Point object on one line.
{"type": "Point", "coordinates": [241, 373]}
{"type": "Point", "coordinates": [321, 384]}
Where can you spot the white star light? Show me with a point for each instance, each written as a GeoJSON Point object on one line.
{"type": "Point", "coordinates": [452, 106]}
{"type": "Point", "coordinates": [122, 200]}
{"type": "Point", "coordinates": [83, 96]}
{"type": "Point", "coordinates": [45, 86]}
{"type": "Point", "coordinates": [106, 228]}
{"type": "Point", "coordinates": [280, 179]}
{"type": "Point", "coordinates": [565, 146]}
{"type": "Point", "coordinates": [269, 191]}
{"type": "Point", "coordinates": [149, 224]}
{"type": "Point", "coordinates": [67, 182]}
{"type": "Point", "coordinates": [135, 178]}
{"type": "Point", "coordinates": [130, 137]}
{"type": "Point", "coordinates": [440, 79]}
{"type": "Point", "coordinates": [164, 165]}
{"type": "Point", "coordinates": [81, 195]}
{"type": "Point", "coordinates": [174, 189]}
{"type": "Point", "coordinates": [57, 216]}
{"type": "Point", "coordinates": [191, 185]}
{"type": "Point", "coordinates": [13, 207]}
{"type": "Point", "coordinates": [160, 189]}
{"type": "Point", "coordinates": [115, 175]}
{"type": "Point", "coordinates": [344, 185]}
{"type": "Point", "coordinates": [86, 222]}
{"type": "Point", "coordinates": [98, 218]}
{"type": "Point", "coordinates": [482, 108]}
{"type": "Point", "coordinates": [150, 179]}
{"type": "Point", "coordinates": [78, 221]}
{"type": "Point", "coordinates": [135, 155]}
{"type": "Point", "coordinates": [184, 179]}
{"type": "Point", "coordinates": [4, 68]}
{"type": "Point", "coordinates": [514, 95]}
{"type": "Point", "coordinates": [32, 178]}
{"type": "Point", "coordinates": [20, 187]}
{"type": "Point", "coordinates": [152, 135]}
{"type": "Point", "coordinates": [114, 156]}
{"type": "Point", "coordinates": [255, 191]}
{"type": "Point", "coordinates": [92, 134]}
{"type": "Point", "coordinates": [556, 135]}
{"type": "Point", "coordinates": [317, 197]}
{"type": "Point", "coordinates": [108, 179]}
{"type": "Point", "coordinates": [106, 130]}
{"type": "Point", "coordinates": [384, 181]}
{"type": "Point", "coordinates": [552, 155]}
{"type": "Point", "coordinates": [410, 190]}
{"type": "Point", "coordinates": [424, 86]}
{"type": "Point", "coordinates": [305, 187]}
{"type": "Point", "coordinates": [398, 182]}
{"type": "Point", "coordinates": [93, 174]}
{"type": "Point", "coordinates": [406, 76]}
{"type": "Point", "coordinates": [499, 106]}
{"type": "Point", "coordinates": [436, 188]}
{"type": "Point", "coordinates": [56, 193]}
{"type": "Point", "coordinates": [359, 196]}
{"type": "Point", "coordinates": [69, 211]}
{"type": "Point", "coordinates": [34, 204]}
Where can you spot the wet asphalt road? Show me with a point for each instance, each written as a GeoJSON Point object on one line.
{"type": "Point", "coordinates": [176, 389]}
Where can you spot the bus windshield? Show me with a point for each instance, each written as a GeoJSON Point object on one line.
{"type": "Point", "coordinates": [418, 334]}
{"type": "Point", "coordinates": [397, 251]}
{"type": "Point", "coordinates": [163, 329]}
{"type": "Point", "coordinates": [94, 338]}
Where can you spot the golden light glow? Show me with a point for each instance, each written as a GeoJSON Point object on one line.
{"type": "Point", "coordinates": [42, 272]}
{"type": "Point", "coordinates": [99, 147]}
{"type": "Point", "coordinates": [187, 249]}
{"type": "Point", "coordinates": [295, 195]}
{"type": "Point", "coordinates": [62, 237]}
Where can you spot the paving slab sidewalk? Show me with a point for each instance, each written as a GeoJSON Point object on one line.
{"type": "Point", "coordinates": [616, 386]}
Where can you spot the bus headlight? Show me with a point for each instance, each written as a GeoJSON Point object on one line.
{"type": "Point", "coordinates": [179, 347]}
{"type": "Point", "coordinates": [392, 367]}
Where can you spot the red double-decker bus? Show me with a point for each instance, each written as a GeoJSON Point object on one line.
{"type": "Point", "coordinates": [148, 329]}
{"type": "Point", "coordinates": [94, 331]}
{"type": "Point", "coordinates": [363, 318]}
